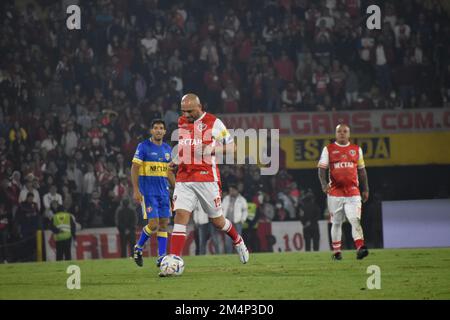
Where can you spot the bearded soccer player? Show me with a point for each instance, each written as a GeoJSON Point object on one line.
{"type": "Point", "coordinates": [201, 136]}
{"type": "Point", "coordinates": [347, 174]}
{"type": "Point", "coordinates": [150, 177]}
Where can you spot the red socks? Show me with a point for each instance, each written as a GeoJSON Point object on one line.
{"type": "Point", "coordinates": [336, 246]}
{"type": "Point", "coordinates": [230, 230]}
{"type": "Point", "coordinates": [359, 243]}
{"type": "Point", "coordinates": [177, 239]}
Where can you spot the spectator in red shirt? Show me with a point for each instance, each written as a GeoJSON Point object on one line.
{"type": "Point", "coordinates": [285, 68]}
{"type": "Point", "coordinates": [321, 79]}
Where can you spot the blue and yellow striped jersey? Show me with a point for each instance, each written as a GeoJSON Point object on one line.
{"type": "Point", "coordinates": [154, 161]}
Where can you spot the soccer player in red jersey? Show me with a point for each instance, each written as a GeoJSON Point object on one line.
{"type": "Point", "coordinates": [201, 135]}
{"type": "Point", "coordinates": [347, 174]}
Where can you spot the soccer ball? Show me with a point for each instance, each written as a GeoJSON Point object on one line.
{"type": "Point", "coordinates": [172, 265]}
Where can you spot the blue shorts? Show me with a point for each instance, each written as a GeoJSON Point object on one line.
{"type": "Point", "coordinates": [155, 207]}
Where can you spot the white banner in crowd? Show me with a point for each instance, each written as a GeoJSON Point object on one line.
{"type": "Point", "coordinates": [289, 236]}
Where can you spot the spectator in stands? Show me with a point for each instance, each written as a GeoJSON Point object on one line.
{"type": "Point", "coordinates": [230, 97]}
{"type": "Point", "coordinates": [202, 232]}
{"type": "Point", "coordinates": [26, 224]}
{"type": "Point", "coordinates": [291, 97]}
{"type": "Point", "coordinates": [49, 197]}
{"type": "Point", "coordinates": [4, 232]}
{"type": "Point", "coordinates": [27, 189]}
{"type": "Point", "coordinates": [235, 209]}
{"type": "Point", "coordinates": [310, 215]}
{"type": "Point", "coordinates": [126, 221]}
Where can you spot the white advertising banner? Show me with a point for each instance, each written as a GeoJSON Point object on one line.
{"type": "Point", "coordinates": [289, 236]}
{"type": "Point", "coordinates": [416, 223]}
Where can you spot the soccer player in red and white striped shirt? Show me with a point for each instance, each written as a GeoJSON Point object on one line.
{"type": "Point", "coordinates": [347, 171]}
{"type": "Point", "coordinates": [200, 136]}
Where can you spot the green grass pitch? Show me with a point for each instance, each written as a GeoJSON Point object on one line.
{"type": "Point", "coordinates": [405, 274]}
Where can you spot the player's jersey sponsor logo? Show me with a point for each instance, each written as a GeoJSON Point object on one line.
{"type": "Point", "coordinates": [190, 142]}
{"type": "Point", "coordinates": [339, 165]}
{"type": "Point", "coordinates": [201, 126]}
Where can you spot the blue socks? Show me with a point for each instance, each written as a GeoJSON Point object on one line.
{"type": "Point", "coordinates": [162, 240]}
{"type": "Point", "coordinates": [162, 243]}
{"type": "Point", "coordinates": [146, 232]}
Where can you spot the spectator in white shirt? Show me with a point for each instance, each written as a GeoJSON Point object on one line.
{"type": "Point", "coordinates": [150, 43]}
{"type": "Point", "coordinates": [49, 197]}
{"type": "Point", "coordinates": [29, 188]}
{"type": "Point", "coordinates": [69, 140]}
{"type": "Point", "coordinates": [49, 143]}
{"type": "Point", "coordinates": [235, 209]}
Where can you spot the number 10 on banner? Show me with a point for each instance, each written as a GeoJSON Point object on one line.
{"type": "Point", "coordinates": [294, 242]}
{"type": "Point", "coordinates": [288, 236]}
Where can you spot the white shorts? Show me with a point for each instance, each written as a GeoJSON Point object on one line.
{"type": "Point", "coordinates": [341, 207]}
{"type": "Point", "coordinates": [189, 195]}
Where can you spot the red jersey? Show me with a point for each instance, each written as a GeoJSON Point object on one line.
{"type": "Point", "coordinates": [343, 161]}
{"type": "Point", "coordinates": [192, 166]}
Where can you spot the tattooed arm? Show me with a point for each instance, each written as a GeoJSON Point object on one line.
{"type": "Point", "coordinates": [364, 183]}
{"type": "Point", "coordinates": [323, 167]}
{"type": "Point", "coordinates": [323, 180]}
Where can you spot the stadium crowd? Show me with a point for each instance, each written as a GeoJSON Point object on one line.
{"type": "Point", "coordinates": [75, 103]}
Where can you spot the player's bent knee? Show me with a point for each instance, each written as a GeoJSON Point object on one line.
{"type": "Point", "coordinates": [153, 225]}
{"type": "Point", "coordinates": [182, 217]}
{"type": "Point", "coordinates": [163, 224]}
{"type": "Point", "coordinates": [218, 222]}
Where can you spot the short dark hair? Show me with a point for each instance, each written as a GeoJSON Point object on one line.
{"type": "Point", "coordinates": [158, 121]}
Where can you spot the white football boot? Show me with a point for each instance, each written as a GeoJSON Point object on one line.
{"type": "Point", "coordinates": [242, 251]}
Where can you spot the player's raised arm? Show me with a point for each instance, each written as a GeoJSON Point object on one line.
{"type": "Point", "coordinates": [323, 167]}
{"type": "Point", "coordinates": [362, 177]}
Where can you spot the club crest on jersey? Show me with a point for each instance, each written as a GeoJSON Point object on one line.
{"type": "Point", "coordinates": [352, 152]}
{"type": "Point", "coordinates": [167, 155]}
{"type": "Point", "coordinates": [149, 209]}
{"type": "Point", "coordinates": [201, 126]}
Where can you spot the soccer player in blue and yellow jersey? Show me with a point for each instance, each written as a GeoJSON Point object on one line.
{"type": "Point", "coordinates": [150, 178]}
